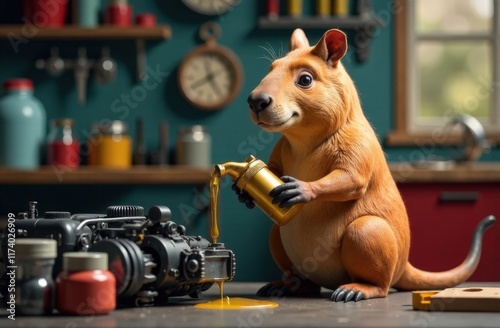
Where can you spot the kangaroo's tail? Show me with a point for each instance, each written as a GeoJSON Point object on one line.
{"type": "Point", "coordinates": [415, 279]}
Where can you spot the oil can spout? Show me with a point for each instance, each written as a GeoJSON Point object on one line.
{"type": "Point", "coordinates": [233, 169]}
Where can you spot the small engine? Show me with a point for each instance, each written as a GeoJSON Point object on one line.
{"type": "Point", "coordinates": [150, 256]}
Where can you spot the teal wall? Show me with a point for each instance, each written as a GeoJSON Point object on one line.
{"type": "Point", "coordinates": [244, 231]}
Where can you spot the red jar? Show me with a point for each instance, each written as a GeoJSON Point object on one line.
{"type": "Point", "coordinates": [118, 13]}
{"type": "Point", "coordinates": [63, 148]}
{"type": "Point", "coordinates": [85, 286]}
{"type": "Point", "coordinates": [145, 20]}
{"type": "Point", "coordinates": [45, 13]}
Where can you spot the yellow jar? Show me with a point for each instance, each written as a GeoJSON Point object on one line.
{"type": "Point", "coordinates": [110, 146]}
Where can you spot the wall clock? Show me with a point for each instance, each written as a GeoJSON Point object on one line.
{"type": "Point", "coordinates": [211, 7]}
{"type": "Point", "coordinates": [211, 75]}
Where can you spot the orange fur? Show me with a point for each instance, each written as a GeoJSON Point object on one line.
{"type": "Point", "coordinates": [353, 231]}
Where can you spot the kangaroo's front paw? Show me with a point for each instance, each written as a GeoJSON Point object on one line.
{"type": "Point", "coordinates": [273, 289]}
{"type": "Point", "coordinates": [291, 192]}
{"type": "Point", "coordinates": [243, 196]}
{"type": "Point", "coordinates": [294, 287]}
{"type": "Point", "coordinates": [347, 295]}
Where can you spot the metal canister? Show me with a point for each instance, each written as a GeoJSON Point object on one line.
{"type": "Point", "coordinates": [194, 146]}
{"type": "Point", "coordinates": [34, 287]}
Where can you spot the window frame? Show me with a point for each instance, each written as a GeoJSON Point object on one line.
{"type": "Point", "coordinates": [401, 135]}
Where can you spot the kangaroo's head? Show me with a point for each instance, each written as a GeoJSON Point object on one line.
{"type": "Point", "coordinates": [307, 92]}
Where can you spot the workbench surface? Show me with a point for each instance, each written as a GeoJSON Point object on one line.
{"type": "Point", "coordinates": [394, 311]}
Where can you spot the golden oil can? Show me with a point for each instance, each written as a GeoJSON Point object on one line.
{"type": "Point", "coordinates": [254, 177]}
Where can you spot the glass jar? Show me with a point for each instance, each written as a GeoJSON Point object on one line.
{"type": "Point", "coordinates": [193, 146]}
{"type": "Point", "coordinates": [22, 125]}
{"type": "Point", "coordinates": [85, 286]}
{"type": "Point", "coordinates": [63, 148]}
{"type": "Point", "coordinates": [34, 287]}
{"type": "Point", "coordinates": [118, 13]}
{"type": "Point", "coordinates": [110, 145]}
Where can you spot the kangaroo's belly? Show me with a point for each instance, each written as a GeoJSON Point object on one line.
{"type": "Point", "coordinates": [312, 242]}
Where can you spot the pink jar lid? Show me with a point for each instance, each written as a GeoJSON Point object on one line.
{"type": "Point", "coordinates": [18, 84]}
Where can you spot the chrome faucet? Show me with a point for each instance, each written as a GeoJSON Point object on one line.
{"type": "Point", "coordinates": [474, 141]}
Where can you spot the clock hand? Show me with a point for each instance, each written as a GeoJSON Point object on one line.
{"type": "Point", "coordinates": [201, 81]}
{"type": "Point", "coordinates": [208, 68]}
{"type": "Point", "coordinates": [207, 63]}
{"type": "Point", "coordinates": [207, 78]}
{"type": "Point", "coordinates": [214, 84]}
{"type": "Point", "coordinates": [216, 88]}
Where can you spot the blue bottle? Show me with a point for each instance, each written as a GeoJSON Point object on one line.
{"type": "Point", "coordinates": [22, 125]}
{"type": "Point", "coordinates": [86, 12]}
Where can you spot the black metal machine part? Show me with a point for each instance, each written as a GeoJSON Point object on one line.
{"type": "Point", "coordinates": [150, 256]}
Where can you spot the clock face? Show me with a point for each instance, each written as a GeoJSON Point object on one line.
{"type": "Point", "coordinates": [211, 7]}
{"type": "Point", "coordinates": [209, 79]}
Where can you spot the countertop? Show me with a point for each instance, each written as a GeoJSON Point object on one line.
{"type": "Point", "coordinates": [394, 311]}
{"type": "Point", "coordinates": [405, 172]}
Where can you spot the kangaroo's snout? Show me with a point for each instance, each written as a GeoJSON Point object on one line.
{"type": "Point", "coordinates": [259, 101]}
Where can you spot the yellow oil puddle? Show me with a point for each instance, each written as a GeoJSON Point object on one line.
{"type": "Point", "coordinates": [236, 303]}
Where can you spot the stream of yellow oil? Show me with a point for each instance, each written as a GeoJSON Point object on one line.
{"type": "Point", "coordinates": [226, 303]}
{"type": "Point", "coordinates": [214, 201]}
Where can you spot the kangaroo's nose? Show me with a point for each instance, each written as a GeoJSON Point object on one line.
{"type": "Point", "coordinates": [259, 101]}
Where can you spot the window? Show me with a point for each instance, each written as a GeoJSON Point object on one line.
{"type": "Point", "coordinates": [447, 63]}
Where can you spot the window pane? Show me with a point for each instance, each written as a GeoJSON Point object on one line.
{"type": "Point", "coordinates": [454, 16]}
{"type": "Point", "coordinates": [455, 77]}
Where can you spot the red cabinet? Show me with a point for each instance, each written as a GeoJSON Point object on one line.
{"type": "Point", "coordinates": [443, 217]}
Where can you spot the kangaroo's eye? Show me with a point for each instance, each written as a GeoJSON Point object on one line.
{"type": "Point", "coordinates": [305, 80]}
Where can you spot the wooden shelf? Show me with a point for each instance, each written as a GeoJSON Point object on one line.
{"type": "Point", "coordinates": [362, 22]}
{"type": "Point", "coordinates": [94, 175]}
{"type": "Point", "coordinates": [159, 32]}
{"type": "Point", "coordinates": [139, 34]}
{"type": "Point", "coordinates": [362, 25]}
{"type": "Point", "coordinates": [351, 22]}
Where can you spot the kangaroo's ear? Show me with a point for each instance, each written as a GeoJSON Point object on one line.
{"type": "Point", "coordinates": [331, 47]}
{"type": "Point", "coordinates": [298, 40]}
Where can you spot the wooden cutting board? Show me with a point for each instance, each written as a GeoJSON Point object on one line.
{"type": "Point", "coordinates": [475, 299]}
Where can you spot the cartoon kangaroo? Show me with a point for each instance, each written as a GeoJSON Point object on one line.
{"type": "Point", "coordinates": [352, 235]}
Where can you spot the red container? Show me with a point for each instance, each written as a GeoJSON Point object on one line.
{"type": "Point", "coordinates": [118, 15]}
{"type": "Point", "coordinates": [63, 149]}
{"type": "Point", "coordinates": [145, 20]}
{"type": "Point", "coordinates": [85, 286]}
{"type": "Point", "coordinates": [273, 8]}
{"type": "Point", "coordinates": [86, 292]}
{"type": "Point", "coordinates": [45, 13]}
{"type": "Point", "coordinates": [61, 154]}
